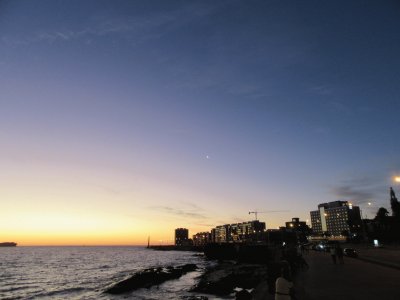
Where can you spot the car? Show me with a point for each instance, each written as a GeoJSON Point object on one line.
{"type": "Point", "coordinates": [350, 252]}
{"type": "Point", "coordinates": [318, 247]}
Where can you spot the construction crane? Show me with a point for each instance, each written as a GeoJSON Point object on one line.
{"type": "Point", "coordinates": [265, 212]}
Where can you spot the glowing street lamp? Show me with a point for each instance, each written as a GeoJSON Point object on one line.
{"type": "Point", "coordinates": [396, 179]}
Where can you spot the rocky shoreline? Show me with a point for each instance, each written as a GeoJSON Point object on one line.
{"type": "Point", "coordinates": [250, 275]}
{"type": "Point", "coordinates": [225, 279]}
{"type": "Point", "coordinates": [149, 277]}
{"type": "Point", "coordinates": [230, 278]}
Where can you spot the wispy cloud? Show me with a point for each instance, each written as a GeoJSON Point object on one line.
{"type": "Point", "coordinates": [250, 90]}
{"type": "Point", "coordinates": [321, 90]}
{"type": "Point", "coordinates": [340, 107]}
{"type": "Point", "coordinates": [130, 27]}
{"type": "Point", "coordinates": [360, 190]}
{"type": "Point", "coordinates": [209, 225]}
{"type": "Point", "coordinates": [134, 28]}
{"type": "Point", "coordinates": [346, 192]}
{"type": "Point", "coordinates": [180, 212]}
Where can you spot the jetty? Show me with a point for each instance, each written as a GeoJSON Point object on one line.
{"type": "Point", "coordinates": [8, 244]}
{"type": "Point", "coordinates": [176, 248]}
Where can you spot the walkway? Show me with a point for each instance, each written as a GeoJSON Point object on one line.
{"type": "Point", "coordinates": [355, 279]}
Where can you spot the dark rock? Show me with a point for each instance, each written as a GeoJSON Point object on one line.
{"type": "Point", "coordinates": [243, 295]}
{"type": "Point", "coordinates": [189, 268]}
{"type": "Point", "coordinates": [149, 277]}
{"type": "Point", "coordinates": [222, 279]}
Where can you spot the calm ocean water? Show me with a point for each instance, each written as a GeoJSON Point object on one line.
{"type": "Point", "coordinates": [85, 272]}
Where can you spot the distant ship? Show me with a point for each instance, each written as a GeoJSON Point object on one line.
{"type": "Point", "coordinates": [8, 244]}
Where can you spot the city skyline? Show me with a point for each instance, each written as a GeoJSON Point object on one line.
{"type": "Point", "coordinates": [120, 120]}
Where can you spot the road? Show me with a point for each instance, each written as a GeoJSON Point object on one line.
{"type": "Point", "coordinates": [355, 279]}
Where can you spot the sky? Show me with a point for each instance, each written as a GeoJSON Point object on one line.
{"type": "Point", "coordinates": [121, 120]}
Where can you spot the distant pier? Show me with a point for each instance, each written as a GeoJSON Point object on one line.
{"type": "Point", "coordinates": [8, 244]}
{"type": "Point", "coordinates": [177, 248]}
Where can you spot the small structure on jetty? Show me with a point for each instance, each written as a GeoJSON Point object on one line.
{"type": "Point", "coordinates": [8, 244]}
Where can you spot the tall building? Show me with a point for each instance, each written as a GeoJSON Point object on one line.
{"type": "Point", "coordinates": [201, 238]}
{"type": "Point", "coordinates": [222, 233]}
{"type": "Point", "coordinates": [336, 218]}
{"type": "Point", "coordinates": [300, 228]}
{"type": "Point", "coordinates": [238, 232]}
{"type": "Point", "coordinates": [181, 236]}
{"type": "Point", "coordinates": [297, 226]}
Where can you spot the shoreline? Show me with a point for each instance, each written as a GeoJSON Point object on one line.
{"type": "Point", "coordinates": [176, 248]}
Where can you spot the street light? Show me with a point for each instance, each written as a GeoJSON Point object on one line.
{"type": "Point", "coordinates": [396, 178]}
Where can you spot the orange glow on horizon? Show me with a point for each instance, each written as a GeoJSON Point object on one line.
{"type": "Point", "coordinates": [64, 229]}
{"type": "Point", "coordinates": [51, 228]}
{"type": "Point", "coordinates": [67, 229]}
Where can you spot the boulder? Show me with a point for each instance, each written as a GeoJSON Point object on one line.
{"type": "Point", "coordinates": [243, 295]}
{"type": "Point", "coordinates": [224, 278]}
{"type": "Point", "coordinates": [149, 277]}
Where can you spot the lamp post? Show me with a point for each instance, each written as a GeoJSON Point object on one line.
{"type": "Point", "coordinates": [362, 223]}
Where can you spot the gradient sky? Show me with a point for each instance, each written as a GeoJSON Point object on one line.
{"type": "Point", "coordinates": [123, 119]}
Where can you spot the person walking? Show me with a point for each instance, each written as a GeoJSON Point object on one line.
{"type": "Point", "coordinates": [339, 251]}
{"type": "Point", "coordinates": [283, 286]}
{"type": "Point", "coordinates": [333, 254]}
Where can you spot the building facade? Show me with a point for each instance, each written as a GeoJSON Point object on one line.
{"type": "Point", "coordinates": [222, 233]}
{"type": "Point", "coordinates": [336, 218]}
{"type": "Point", "coordinates": [237, 232]}
{"type": "Point", "coordinates": [300, 228]}
{"type": "Point", "coordinates": [296, 225]}
{"type": "Point", "coordinates": [181, 236]}
{"type": "Point", "coordinates": [201, 238]}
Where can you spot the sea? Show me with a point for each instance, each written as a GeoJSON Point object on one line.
{"type": "Point", "coordinates": [85, 272]}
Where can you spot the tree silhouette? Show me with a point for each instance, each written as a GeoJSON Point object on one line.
{"type": "Point", "coordinates": [395, 204]}
{"type": "Point", "coordinates": [382, 214]}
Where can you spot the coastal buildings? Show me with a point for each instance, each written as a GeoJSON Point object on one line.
{"type": "Point", "coordinates": [237, 232]}
{"type": "Point", "coordinates": [336, 218]}
{"type": "Point", "coordinates": [299, 228]}
{"type": "Point", "coordinates": [181, 236]}
{"type": "Point", "coordinates": [201, 238]}
{"type": "Point", "coordinates": [221, 233]}
{"type": "Point", "coordinates": [297, 225]}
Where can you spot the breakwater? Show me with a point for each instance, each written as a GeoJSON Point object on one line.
{"type": "Point", "coordinates": [176, 248]}
{"type": "Point", "coordinates": [150, 277]}
{"type": "Point", "coordinates": [8, 244]}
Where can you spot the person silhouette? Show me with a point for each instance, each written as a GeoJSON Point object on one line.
{"type": "Point", "coordinates": [283, 285]}
{"type": "Point", "coordinates": [339, 252]}
{"type": "Point", "coordinates": [333, 254]}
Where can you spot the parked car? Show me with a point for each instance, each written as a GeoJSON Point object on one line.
{"type": "Point", "coordinates": [350, 252]}
{"type": "Point", "coordinates": [318, 247]}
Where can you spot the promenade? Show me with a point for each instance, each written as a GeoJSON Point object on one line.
{"type": "Point", "coordinates": [355, 279]}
